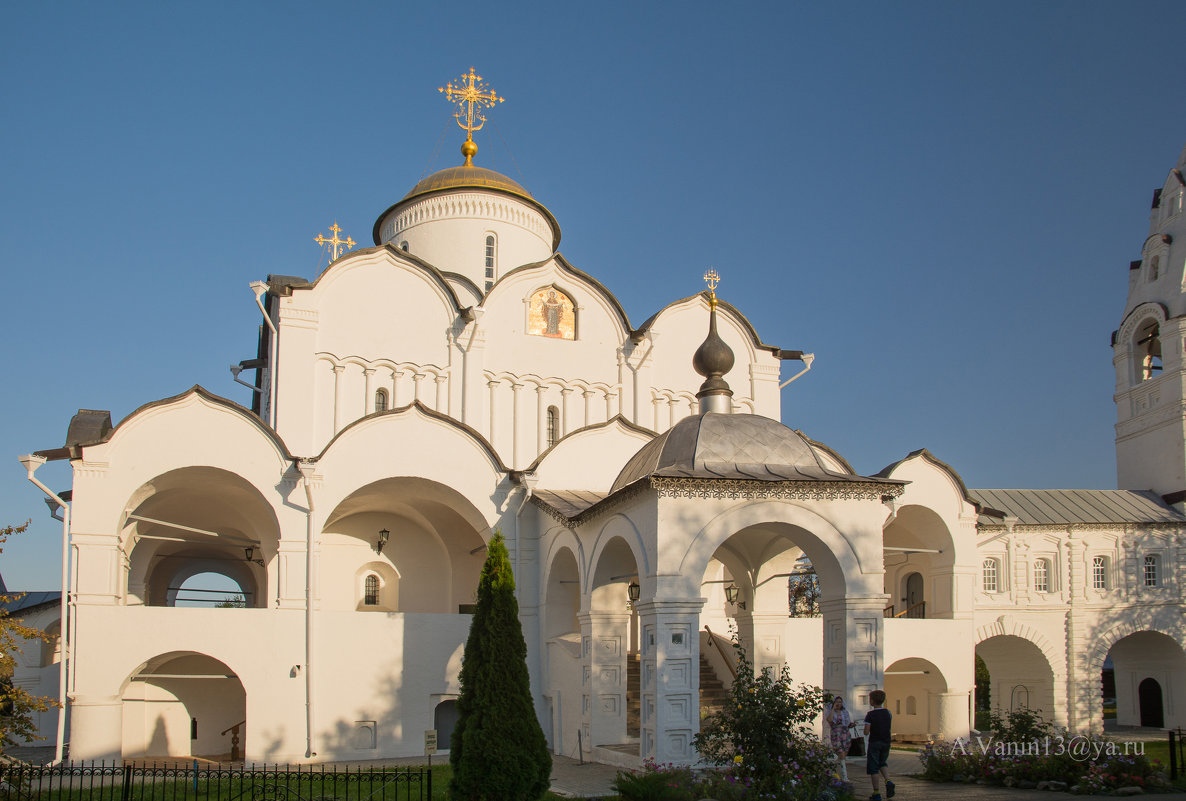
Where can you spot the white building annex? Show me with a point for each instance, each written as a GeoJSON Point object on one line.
{"type": "Point", "coordinates": [352, 501]}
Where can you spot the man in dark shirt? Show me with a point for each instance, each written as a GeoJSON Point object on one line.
{"type": "Point", "coordinates": [877, 729]}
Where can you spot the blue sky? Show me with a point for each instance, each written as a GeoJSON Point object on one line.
{"type": "Point", "coordinates": [938, 199]}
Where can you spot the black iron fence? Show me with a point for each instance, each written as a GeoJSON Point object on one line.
{"type": "Point", "coordinates": [1177, 752]}
{"type": "Point", "coordinates": [196, 782]}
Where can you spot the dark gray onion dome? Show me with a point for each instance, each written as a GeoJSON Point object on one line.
{"type": "Point", "coordinates": [713, 359]}
{"type": "Point", "coordinates": [731, 446]}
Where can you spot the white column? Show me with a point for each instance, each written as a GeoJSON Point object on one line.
{"type": "Point", "coordinates": [564, 393]}
{"type": "Point", "coordinates": [493, 386]}
{"type": "Point", "coordinates": [670, 678]}
{"type": "Point", "coordinates": [515, 387]}
{"type": "Point", "coordinates": [604, 644]}
{"type": "Point", "coordinates": [656, 403]}
{"type": "Point", "coordinates": [395, 376]}
{"type": "Point", "coordinates": [96, 728]}
{"type": "Point", "coordinates": [416, 379]}
{"type": "Point", "coordinates": [587, 395]}
{"type": "Point", "coordinates": [442, 402]}
{"type": "Point", "coordinates": [671, 416]}
{"type": "Point", "coordinates": [368, 398]}
{"type": "Point", "coordinates": [541, 425]}
{"type": "Point", "coordinates": [339, 412]}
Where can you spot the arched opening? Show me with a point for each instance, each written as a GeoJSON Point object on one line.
{"type": "Point", "coordinates": [1149, 697]}
{"type": "Point", "coordinates": [915, 686]}
{"type": "Point", "coordinates": [1019, 675]}
{"type": "Point", "coordinates": [613, 646]}
{"type": "Point", "coordinates": [562, 638]}
{"type": "Point", "coordinates": [919, 565]}
{"type": "Point", "coordinates": [1146, 348]}
{"type": "Point", "coordinates": [444, 720]}
{"type": "Point", "coordinates": [381, 400]}
{"type": "Point", "coordinates": [184, 705]}
{"type": "Point", "coordinates": [553, 423]}
{"type": "Point", "coordinates": [428, 561]}
{"type": "Point", "coordinates": [51, 647]}
{"type": "Point", "coordinates": [1145, 656]}
{"type": "Point", "coordinates": [195, 521]}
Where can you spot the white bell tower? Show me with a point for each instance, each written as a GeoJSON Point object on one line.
{"type": "Point", "coordinates": [1148, 353]}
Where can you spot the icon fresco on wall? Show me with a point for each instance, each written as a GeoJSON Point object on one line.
{"type": "Point", "coordinates": [551, 314]}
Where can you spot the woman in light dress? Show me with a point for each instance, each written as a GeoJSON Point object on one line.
{"type": "Point", "coordinates": [840, 737]}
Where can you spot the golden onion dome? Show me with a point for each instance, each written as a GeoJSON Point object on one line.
{"type": "Point", "coordinates": [467, 177]}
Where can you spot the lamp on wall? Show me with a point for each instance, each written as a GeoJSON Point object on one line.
{"type": "Point", "coordinates": [731, 593]}
{"type": "Point", "coordinates": [633, 592]}
{"type": "Point", "coordinates": [249, 552]}
{"type": "Point", "coordinates": [384, 535]}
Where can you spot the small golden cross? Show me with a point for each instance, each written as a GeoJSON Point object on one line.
{"type": "Point", "coordinates": [335, 244]}
{"type": "Point", "coordinates": [712, 278]}
{"type": "Point", "coordinates": [468, 93]}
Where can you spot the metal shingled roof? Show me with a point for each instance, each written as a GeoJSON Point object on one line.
{"type": "Point", "coordinates": [1055, 507]}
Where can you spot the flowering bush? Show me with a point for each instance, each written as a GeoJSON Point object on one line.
{"type": "Point", "coordinates": [656, 783]}
{"type": "Point", "coordinates": [764, 740]}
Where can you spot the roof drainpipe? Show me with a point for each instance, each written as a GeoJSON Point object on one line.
{"type": "Point", "coordinates": [807, 359]}
{"type": "Point", "coordinates": [31, 463]}
{"type": "Point", "coordinates": [306, 469]}
{"type": "Point", "coordinates": [260, 289]}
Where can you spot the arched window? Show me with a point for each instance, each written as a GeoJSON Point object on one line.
{"type": "Point", "coordinates": [491, 246]}
{"type": "Point", "coordinates": [990, 573]}
{"type": "Point", "coordinates": [1154, 268]}
{"type": "Point", "coordinates": [1147, 350]}
{"type": "Point", "coordinates": [380, 400]}
{"type": "Point", "coordinates": [1152, 571]}
{"type": "Point", "coordinates": [553, 425]}
{"type": "Point", "coordinates": [371, 597]}
{"type": "Point", "coordinates": [1099, 572]}
{"type": "Point", "coordinates": [404, 246]}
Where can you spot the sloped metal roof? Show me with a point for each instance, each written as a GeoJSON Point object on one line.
{"type": "Point", "coordinates": [570, 503]}
{"type": "Point", "coordinates": [1055, 507]}
{"type": "Point", "coordinates": [29, 600]}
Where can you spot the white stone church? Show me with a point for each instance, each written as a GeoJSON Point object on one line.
{"type": "Point", "coordinates": [460, 377]}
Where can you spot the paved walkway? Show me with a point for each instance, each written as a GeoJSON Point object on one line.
{"type": "Point", "coordinates": [574, 780]}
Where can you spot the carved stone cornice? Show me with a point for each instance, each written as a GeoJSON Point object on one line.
{"type": "Point", "coordinates": [752, 490]}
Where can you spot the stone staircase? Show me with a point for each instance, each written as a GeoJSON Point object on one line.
{"type": "Point", "coordinates": [713, 694]}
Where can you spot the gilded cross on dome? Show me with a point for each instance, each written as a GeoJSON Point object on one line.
{"type": "Point", "coordinates": [712, 278]}
{"type": "Point", "coordinates": [468, 93]}
{"type": "Point", "coordinates": [335, 244]}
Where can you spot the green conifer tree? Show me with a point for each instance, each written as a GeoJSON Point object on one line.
{"type": "Point", "coordinates": [498, 751]}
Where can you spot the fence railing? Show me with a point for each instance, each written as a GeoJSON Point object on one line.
{"type": "Point", "coordinates": [196, 782]}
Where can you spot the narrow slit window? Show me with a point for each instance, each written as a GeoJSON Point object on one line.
{"type": "Point", "coordinates": [380, 400]}
{"type": "Point", "coordinates": [1147, 347]}
{"type": "Point", "coordinates": [371, 598]}
{"type": "Point", "coordinates": [490, 256]}
{"type": "Point", "coordinates": [553, 425]}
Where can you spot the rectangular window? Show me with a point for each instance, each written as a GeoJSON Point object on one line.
{"type": "Point", "coordinates": [1099, 573]}
{"type": "Point", "coordinates": [1151, 577]}
{"type": "Point", "coordinates": [990, 575]}
{"type": "Point", "coordinates": [1042, 576]}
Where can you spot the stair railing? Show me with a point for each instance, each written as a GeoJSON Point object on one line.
{"type": "Point", "coordinates": [729, 663]}
{"type": "Point", "coordinates": [234, 731]}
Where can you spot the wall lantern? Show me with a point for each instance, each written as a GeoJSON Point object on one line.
{"type": "Point", "coordinates": [633, 592]}
{"type": "Point", "coordinates": [384, 535]}
{"type": "Point", "coordinates": [731, 593]}
{"type": "Point", "coordinates": [249, 552]}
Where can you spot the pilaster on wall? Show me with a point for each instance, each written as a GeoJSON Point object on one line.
{"type": "Point", "coordinates": [101, 569]}
{"type": "Point", "coordinates": [853, 646]}
{"type": "Point", "coordinates": [604, 641]}
{"type": "Point", "coordinates": [670, 678]}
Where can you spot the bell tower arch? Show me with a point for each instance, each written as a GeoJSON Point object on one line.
{"type": "Point", "coordinates": [1147, 352]}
